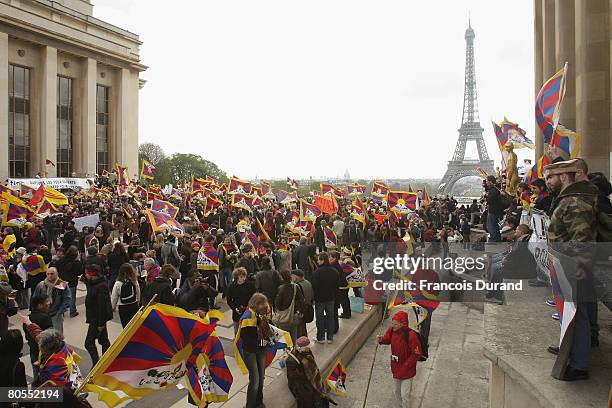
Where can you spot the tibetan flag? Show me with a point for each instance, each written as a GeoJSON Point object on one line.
{"type": "Point", "coordinates": [357, 211]}
{"type": "Point", "coordinates": [163, 222]}
{"type": "Point", "coordinates": [34, 264]}
{"type": "Point", "coordinates": [164, 207]}
{"type": "Point", "coordinates": [55, 197]}
{"type": "Point", "coordinates": [548, 104]}
{"type": "Point", "coordinates": [286, 198]}
{"type": "Point", "coordinates": [336, 379]}
{"type": "Point", "coordinates": [240, 201]}
{"type": "Point", "coordinates": [402, 202]}
{"type": "Point", "coordinates": [61, 368]}
{"type": "Point", "coordinates": [537, 171]}
{"type": "Point", "coordinates": [198, 184]}
{"type": "Point", "coordinates": [8, 190]}
{"type": "Point", "coordinates": [123, 178]}
{"type": "Point", "coordinates": [160, 347]}
{"type": "Point", "coordinates": [141, 192]}
{"type": "Point", "coordinates": [279, 340]}
{"type": "Point", "coordinates": [46, 207]}
{"type": "Point", "coordinates": [568, 141]}
{"type": "Point", "coordinates": [292, 183]}
{"type": "Point", "coordinates": [148, 170]}
{"type": "Point", "coordinates": [14, 211]}
{"type": "Point", "coordinates": [331, 240]}
{"type": "Point", "coordinates": [562, 287]}
{"type": "Point", "coordinates": [254, 201]}
{"type": "Point", "coordinates": [266, 191]}
{"type": "Point", "coordinates": [379, 189]}
{"type": "Point", "coordinates": [500, 136]}
{"type": "Point", "coordinates": [256, 191]}
{"type": "Point", "coordinates": [329, 189]}
{"type": "Point", "coordinates": [327, 204]}
{"type": "Point", "coordinates": [238, 186]}
{"type": "Point", "coordinates": [300, 227]}
{"type": "Point", "coordinates": [208, 258]}
{"type": "Point", "coordinates": [262, 233]}
{"type": "Point", "coordinates": [211, 204]}
{"type": "Point", "coordinates": [355, 190]}
{"type": "Point", "coordinates": [26, 191]}
{"type": "Point", "coordinates": [248, 236]}
{"type": "Point", "coordinates": [308, 212]}
{"type": "Point", "coordinates": [425, 299]}
{"type": "Point", "coordinates": [152, 195]}
{"type": "Point", "coordinates": [516, 135]}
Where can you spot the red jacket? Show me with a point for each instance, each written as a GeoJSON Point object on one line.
{"type": "Point", "coordinates": [405, 345]}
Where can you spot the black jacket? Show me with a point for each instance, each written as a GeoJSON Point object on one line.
{"type": "Point", "coordinates": [43, 320]}
{"type": "Point", "coordinates": [70, 269]}
{"type": "Point", "coordinates": [267, 282]}
{"type": "Point", "coordinates": [98, 307]}
{"type": "Point", "coordinates": [325, 283]}
{"type": "Point", "coordinates": [96, 260]}
{"type": "Point", "coordinates": [194, 298]}
{"type": "Point", "coordinates": [162, 287]}
{"type": "Point", "coordinates": [494, 201]}
{"type": "Point", "coordinates": [238, 297]}
{"type": "Point", "coordinates": [250, 264]}
{"type": "Point", "coordinates": [301, 257]}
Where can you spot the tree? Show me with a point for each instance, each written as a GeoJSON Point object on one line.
{"type": "Point", "coordinates": [181, 167]}
{"type": "Point", "coordinates": [151, 152]}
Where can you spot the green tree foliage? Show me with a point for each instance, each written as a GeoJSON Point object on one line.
{"type": "Point", "coordinates": [177, 168]}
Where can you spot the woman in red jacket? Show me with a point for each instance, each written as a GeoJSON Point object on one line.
{"type": "Point", "coordinates": [405, 352]}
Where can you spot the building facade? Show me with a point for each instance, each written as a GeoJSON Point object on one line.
{"type": "Point", "coordinates": [69, 90]}
{"type": "Point", "coordinates": [578, 32]}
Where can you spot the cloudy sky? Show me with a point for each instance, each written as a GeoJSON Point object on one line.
{"type": "Point", "coordinates": [271, 88]}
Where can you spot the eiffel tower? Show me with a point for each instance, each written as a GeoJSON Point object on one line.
{"type": "Point", "coordinates": [459, 167]}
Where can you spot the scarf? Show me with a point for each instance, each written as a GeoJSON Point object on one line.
{"type": "Point", "coordinates": [50, 286]}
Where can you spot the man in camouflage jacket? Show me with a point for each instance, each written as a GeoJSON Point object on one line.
{"type": "Point", "coordinates": [572, 232]}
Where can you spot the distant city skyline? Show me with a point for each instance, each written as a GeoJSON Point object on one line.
{"type": "Point", "coordinates": [275, 87]}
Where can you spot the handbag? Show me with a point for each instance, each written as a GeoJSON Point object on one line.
{"type": "Point", "coordinates": [285, 317]}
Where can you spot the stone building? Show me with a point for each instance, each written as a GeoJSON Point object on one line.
{"type": "Point", "coordinates": [578, 32]}
{"type": "Point", "coordinates": [69, 86]}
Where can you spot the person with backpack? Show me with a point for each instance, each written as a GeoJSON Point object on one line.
{"type": "Point", "coordinates": [98, 311]}
{"type": "Point", "coordinates": [406, 351]}
{"type": "Point", "coordinates": [126, 293]}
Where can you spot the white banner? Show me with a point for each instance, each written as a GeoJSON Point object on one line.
{"type": "Point", "coordinates": [538, 241]}
{"type": "Point", "coordinates": [87, 221]}
{"type": "Point", "coordinates": [57, 183]}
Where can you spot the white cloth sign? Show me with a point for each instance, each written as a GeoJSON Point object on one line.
{"type": "Point", "coordinates": [87, 221]}
{"type": "Point", "coordinates": [538, 241]}
{"type": "Point", "coordinates": [57, 183]}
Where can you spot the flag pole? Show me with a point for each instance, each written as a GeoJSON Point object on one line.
{"type": "Point", "coordinates": [114, 345]}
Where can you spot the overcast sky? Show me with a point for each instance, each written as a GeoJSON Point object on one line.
{"type": "Point", "coordinates": [274, 88]}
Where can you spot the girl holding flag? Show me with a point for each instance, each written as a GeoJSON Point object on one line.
{"type": "Point", "coordinates": [254, 332]}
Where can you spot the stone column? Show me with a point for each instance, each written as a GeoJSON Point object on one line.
{"type": "Point", "coordinates": [4, 108]}
{"type": "Point", "coordinates": [85, 159]}
{"type": "Point", "coordinates": [593, 82]}
{"type": "Point", "coordinates": [538, 63]}
{"type": "Point", "coordinates": [549, 63]}
{"type": "Point", "coordinates": [565, 52]}
{"type": "Point", "coordinates": [47, 139]}
{"type": "Point", "coordinates": [126, 133]}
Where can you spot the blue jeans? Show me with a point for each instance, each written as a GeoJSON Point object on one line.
{"type": "Point", "coordinates": [324, 312]}
{"type": "Point", "coordinates": [73, 309]}
{"type": "Point", "coordinates": [493, 228]}
{"type": "Point", "coordinates": [225, 279]}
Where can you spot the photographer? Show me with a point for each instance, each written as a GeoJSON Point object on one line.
{"type": "Point", "coordinates": [195, 293]}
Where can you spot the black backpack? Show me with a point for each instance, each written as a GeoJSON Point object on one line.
{"type": "Point", "coordinates": [421, 340]}
{"type": "Point", "coordinates": [308, 308]}
{"type": "Point", "coordinates": [128, 293]}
